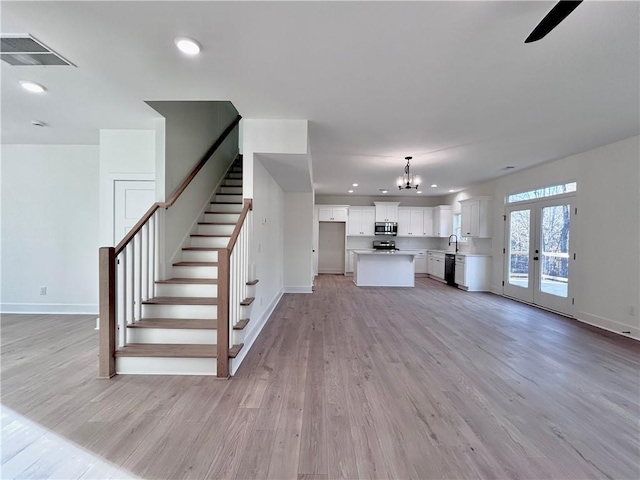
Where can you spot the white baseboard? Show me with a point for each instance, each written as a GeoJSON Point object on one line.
{"type": "Point", "coordinates": [253, 334]}
{"type": "Point", "coordinates": [609, 325]}
{"type": "Point", "coordinates": [298, 289]}
{"type": "Point", "coordinates": [60, 308]}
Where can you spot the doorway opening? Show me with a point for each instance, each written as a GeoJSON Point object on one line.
{"type": "Point", "coordinates": [331, 247]}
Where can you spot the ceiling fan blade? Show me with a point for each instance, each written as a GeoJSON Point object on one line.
{"type": "Point", "coordinates": [557, 14]}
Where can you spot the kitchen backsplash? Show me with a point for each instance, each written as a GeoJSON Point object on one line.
{"type": "Point", "coordinates": [473, 245]}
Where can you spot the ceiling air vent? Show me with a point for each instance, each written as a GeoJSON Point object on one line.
{"type": "Point", "coordinates": [26, 51]}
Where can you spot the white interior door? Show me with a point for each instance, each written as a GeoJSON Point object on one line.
{"type": "Point", "coordinates": [131, 198]}
{"type": "Point", "coordinates": [538, 255]}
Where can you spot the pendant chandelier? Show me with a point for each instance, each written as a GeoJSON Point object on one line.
{"type": "Point", "coordinates": [408, 180]}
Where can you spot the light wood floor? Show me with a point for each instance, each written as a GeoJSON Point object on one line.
{"type": "Point", "coordinates": [348, 382]}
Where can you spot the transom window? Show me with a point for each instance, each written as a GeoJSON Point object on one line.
{"type": "Point", "coordinates": [543, 192]}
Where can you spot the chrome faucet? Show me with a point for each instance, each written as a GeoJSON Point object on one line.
{"type": "Point", "coordinates": [454, 235]}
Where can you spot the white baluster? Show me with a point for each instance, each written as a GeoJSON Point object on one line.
{"type": "Point", "coordinates": [121, 289]}
{"type": "Point", "coordinates": [144, 264]}
{"type": "Point", "coordinates": [138, 275]}
{"type": "Point", "coordinates": [131, 299]}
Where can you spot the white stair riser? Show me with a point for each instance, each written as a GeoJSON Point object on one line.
{"type": "Point", "coordinates": [199, 256]}
{"type": "Point", "coordinates": [165, 366]}
{"type": "Point", "coordinates": [180, 311]}
{"type": "Point", "coordinates": [172, 335]}
{"type": "Point", "coordinates": [234, 189]}
{"type": "Point", "coordinates": [194, 272]}
{"type": "Point", "coordinates": [216, 229]}
{"type": "Point", "coordinates": [232, 182]}
{"type": "Point", "coordinates": [225, 208]}
{"type": "Point", "coordinates": [238, 336]}
{"type": "Point", "coordinates": [211, 242]}
{"type": "Point", "coordinates": [229, 198]}
{"type": "Point", "coordinates": [222, 217]}
{"type": "Point", "coordinates": [235, 175]}
{"type": "Point", "coordinates": [185, 290]}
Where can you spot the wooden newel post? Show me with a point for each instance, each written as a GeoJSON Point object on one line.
{"type": "Point", "coordinates": [222, 369]}
{"type": "Point", "coordinates": [107, 293]}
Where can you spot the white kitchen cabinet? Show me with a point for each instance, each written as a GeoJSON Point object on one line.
{"type": "Point", "coordinates": [386, 211]}
{"type": "Point", "coordinates": [350, 256]}
{"type": "Point", "coordinates": [442, 221]}
{"type": "Point", "coordinates": [421, 261]}
{"type": "Point", "coordinates": [475, 218]}
{"type": "Point", "coordinates": [435, 265]}
{"type": "Point", "coordinates": [332, 213]}
{"type": "Point", "coordinates": [473, 272]}
{"type": "Point", "coordinates": [411, 222]}
{"type": "Point", "coordinates": [427, 222]}
{"type": "Point", "coordinates": [361, 221]}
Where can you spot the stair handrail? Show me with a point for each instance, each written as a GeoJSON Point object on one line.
{"type": "Point", "coordinates": [107, 264]}
{"type": "Point", "coordinates": [181, 188]}
{"type": "Point", "coordinates": [224, 264]}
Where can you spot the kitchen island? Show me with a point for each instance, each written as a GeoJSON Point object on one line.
{"type": "Point", "coordinates": [384, 268]}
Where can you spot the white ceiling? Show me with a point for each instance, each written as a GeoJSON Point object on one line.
{"type": "Point", "coordinates": [451, 83]}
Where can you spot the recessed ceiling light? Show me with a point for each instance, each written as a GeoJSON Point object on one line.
{"type": "Point", "coordinates": [384, 191]}
{"type": "Point", "coordinates": [350, 191]}
{"type": "Point", "coordinates": [355, 184]}
{"type": "Point", "coordinates": [32, 86]}
{"type": "Point", "coordinates": [419, 191]}
{"type": "Point", "coordinates": [187, 45]}
{"type": "Point", "coordinates": [434, 185]}
{"type": "Point", "coordinates": [38, 123]}
{"type": "Point", "coordinates": [451, 190]}
{"type": "Point", "coordinates": [509, 167]}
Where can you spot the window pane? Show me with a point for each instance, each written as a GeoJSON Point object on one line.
{"type": "Point", "coordinates": [543, 192]}
{"type": "Point", "coordinates": [554, 258]}
{"type": "Point", "coordinates": [519, 230]}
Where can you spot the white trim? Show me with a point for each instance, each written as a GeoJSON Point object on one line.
{"type": "Point", "coordinates": [298, 289]}
{"type": "Point", "coordinates": [65, 308]}
{"type": "Point", "coordinates": [251, 338]}
{"type": "Point", "coordinates": [609, 325]}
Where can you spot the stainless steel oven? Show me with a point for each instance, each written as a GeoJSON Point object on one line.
{"type": "Point", "coordinates": [386, 228]}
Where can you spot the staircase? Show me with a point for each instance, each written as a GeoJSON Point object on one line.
{"type": "Point", "coordinates": [177, 330]}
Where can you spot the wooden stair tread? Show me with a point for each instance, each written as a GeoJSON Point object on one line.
{"type": "Point", "coordinates": [247, 301]}
{"type": "Point", "coordinates": [216, 223]}
{"type": "Point", "coordinates": [203, 235]}
{"type": "Point", "coordinates": [241, 324]}
{"type": "Point", "coordinates": [175, 323]}
{"type": "Point", "coordinates": [181, 301]}
{"type": "Point", "coordinates": [252, 282]}
{"type": "Point", "coordinates": [196, 264]}
{"type": "Point", "coordinates": [225, 203]}
{"type": "Point", "coordinates": [167, 350]}
{"type": "Point", "coordinates": [203, 249]}
{"type": "Point", "coordinates": [189, 281]}
{"type": "Point", "coordinates": [174, 350]}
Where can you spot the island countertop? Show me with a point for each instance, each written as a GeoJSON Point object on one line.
{"type": "Point", "coordinates": [386, 252]}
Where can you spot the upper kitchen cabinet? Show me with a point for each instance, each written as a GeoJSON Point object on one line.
{"type": "Point", "coordinates": [427, 222]}
{"type": "Point", "coordinates": [442, 221]}
{"type": "Point", "coordinates": [332, 213]}
{"type": "Point", "coordinates": [410, 222]}
{"type": "Point", "coordinates": [361, 221]}
{"type": "Point", "coordinates": [386, 211]}
{"type": "Point", "coordinates": [475, 218]}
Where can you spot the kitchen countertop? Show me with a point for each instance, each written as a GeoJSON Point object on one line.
{"type": "Point", "coordinates": [391, 252]}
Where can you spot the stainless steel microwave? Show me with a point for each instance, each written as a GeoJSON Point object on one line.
{"type": "Point", "coordinates": [386, 228]}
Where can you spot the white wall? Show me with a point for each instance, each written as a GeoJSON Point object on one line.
{"type": "Point", "coordinates": [50, 212]}
{"type": "Point", "coordinates": [298, 242]}
{"type": "Point", "coordinates": [606, 285]}
{"type": "Point", "coordinates": [270, 136]}
{"type": "Point", "coordinates": [124, 154]}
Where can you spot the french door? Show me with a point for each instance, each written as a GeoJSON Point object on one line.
{"type": "Point", "coordinates": [538, 258]}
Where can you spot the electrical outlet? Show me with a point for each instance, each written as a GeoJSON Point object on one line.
{"type": "Point", "coordinates": [260, 301]}
{"type": "Point", "coordinates": [43, 290]}
{"type": "Point", "coordinates": [632, 310]}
